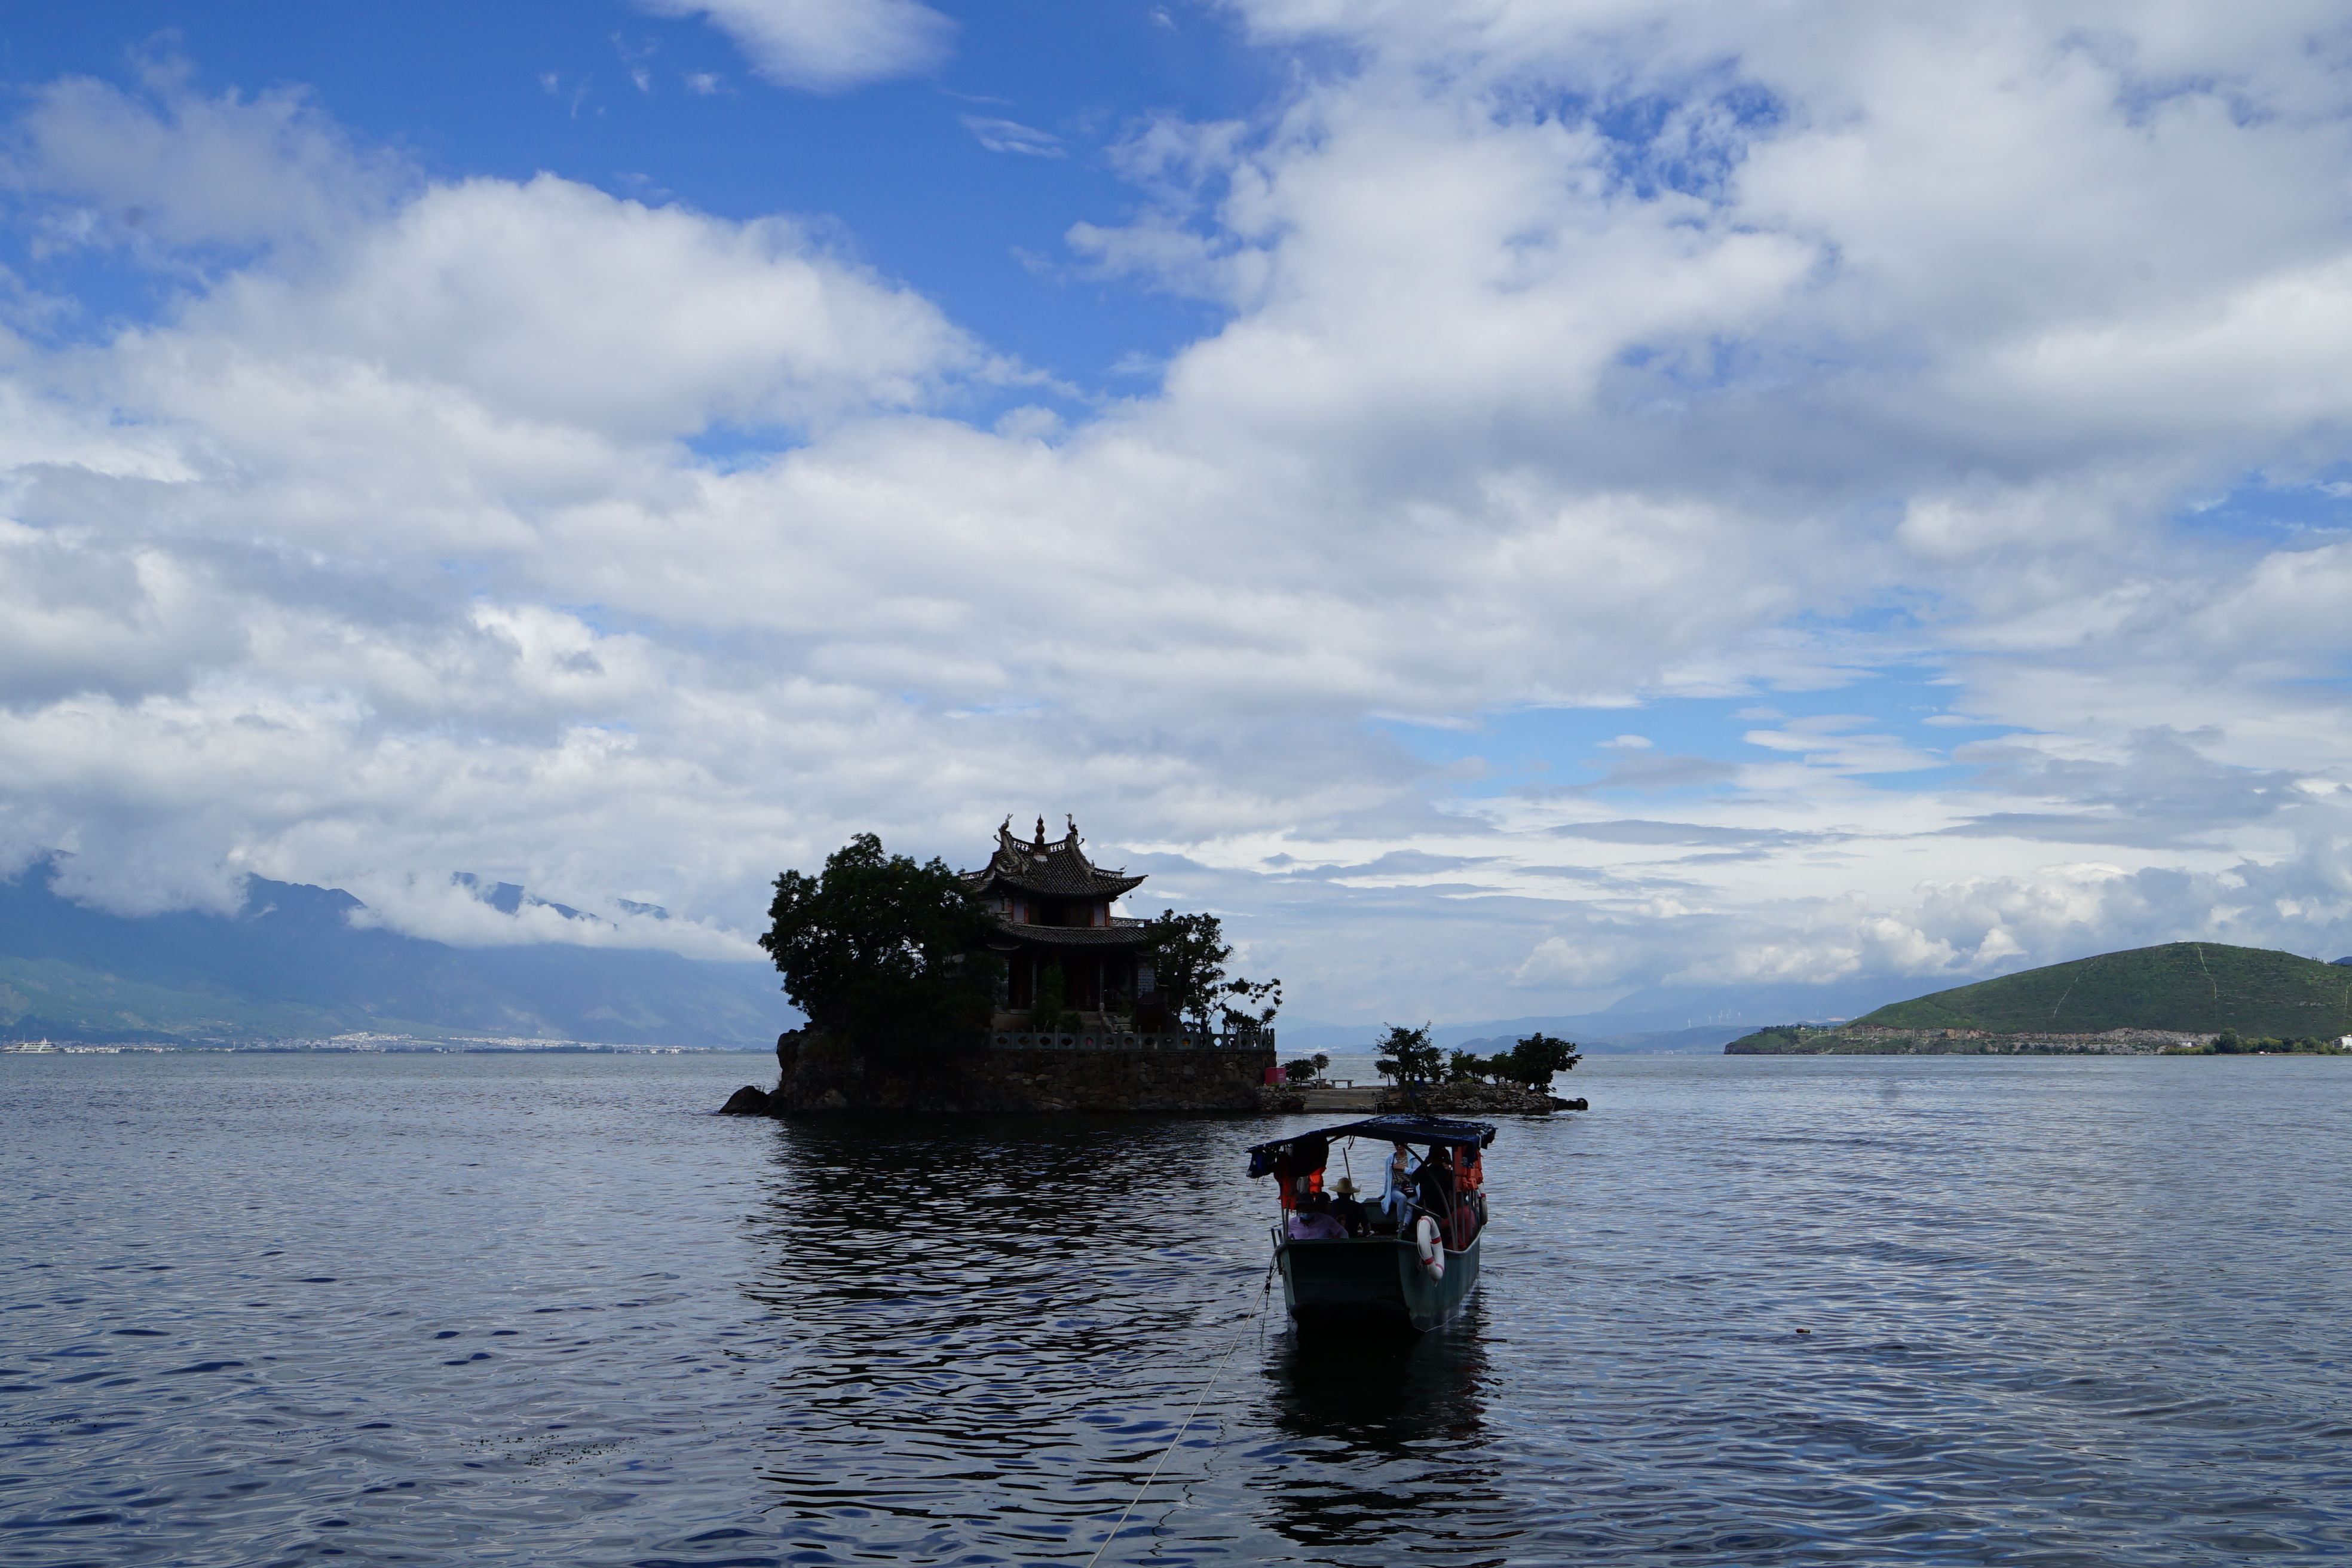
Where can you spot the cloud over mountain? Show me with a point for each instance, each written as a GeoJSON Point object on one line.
{"type": "Point", "coordinates": [1936, 378]}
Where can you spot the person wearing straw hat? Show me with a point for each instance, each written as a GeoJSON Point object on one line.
{"type": "Point", "coordinates": [1345, 1208]}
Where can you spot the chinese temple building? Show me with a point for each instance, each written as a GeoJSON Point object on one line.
{"type": "Point", "coordinates": [1052, 909]}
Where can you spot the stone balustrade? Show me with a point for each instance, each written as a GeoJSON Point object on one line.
{"type": "Point", "coordinates": [1117, 1040]}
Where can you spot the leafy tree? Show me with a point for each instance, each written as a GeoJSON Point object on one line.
{"type": "Point", "coordinates": [1407, 1056]}
{"type": "Point", "coordinates": [1534, 1059]}
{"type": "Point", "coordinates": [1260, 1000]}
{"type": "Point", "coordinates": [1188, 954]}
{"type": "Point", "coordinates": [1467, 1067]}
{"type": "Point", "coordinates": [884, 954]}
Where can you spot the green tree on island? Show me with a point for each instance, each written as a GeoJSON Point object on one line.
{"type": "Point", "coordinates": [1252, 1005]}
{"type": "Point", "coordinates": [884, 954]}
{"type": "Point", "coordinates": [1408, 1056]}
{"type": "Point", "coordinates": [1188, 955]}
{"type": "Point", "coordinates": [1534, 1059]}
{"type": "Point", "coordinates": [1529, 1064]}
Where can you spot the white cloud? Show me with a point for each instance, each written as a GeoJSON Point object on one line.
{"type": "Point", "coordinates": [1010, 136]}
{"type": "Point", "coordinates": [1829, 741]}
{"type": "Point", "coordinates": [1601, 358]}
{"type": "Point", "coordinates": [825, 46]}
{"type": "Point", "coordinates": [553, 303]}
{"type": "Point", "coordinates": [171, 170]}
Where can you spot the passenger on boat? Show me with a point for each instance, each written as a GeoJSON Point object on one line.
{"type": "Point", "coordinates": [1303, 1171]}
{"type": "Point", "coordinates": [1396, 1202]}
{"type": "Point", "coordinates": [1346, 1209]}
{"type": "Point", "coordinates": [1438, 1181]}
{"type": "Point", "coordinates": [1313, 1221]}
{"type": "Point", "coordinates": [1471, 1169]}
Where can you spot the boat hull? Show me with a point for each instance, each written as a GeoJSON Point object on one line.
{"type": "Point", "coordinates": [1373, 1281]}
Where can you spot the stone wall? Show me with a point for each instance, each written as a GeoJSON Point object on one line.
{"type": "Point", "coordinates": [818, 1074]}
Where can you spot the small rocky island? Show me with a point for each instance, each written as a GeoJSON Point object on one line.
{"type": "Point", "coordinates": [1018, 988]}
{"type": "Point", "coordinates": [1012, 988]}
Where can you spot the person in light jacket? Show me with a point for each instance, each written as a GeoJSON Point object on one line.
{"type": "Point", "coordinates": [1404, 1174]}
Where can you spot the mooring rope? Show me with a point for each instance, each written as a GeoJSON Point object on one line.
{"type": "Point", "coordinates": [1256, 1310]}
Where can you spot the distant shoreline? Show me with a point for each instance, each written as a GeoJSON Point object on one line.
{"type": "Point", "coordinates": [144, 1047]}
{"type": "Point", "coordinates": [1807, 1040]}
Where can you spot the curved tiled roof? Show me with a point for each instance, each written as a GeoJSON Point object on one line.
{"type": "Point", "coordinates": [1058, 870]}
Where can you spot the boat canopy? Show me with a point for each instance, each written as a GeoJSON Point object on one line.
{"type": "Point", "coordinates": [1431, 1131]}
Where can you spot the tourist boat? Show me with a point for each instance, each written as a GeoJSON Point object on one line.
{"type": "Point", "coordinates": [1413, 1259]}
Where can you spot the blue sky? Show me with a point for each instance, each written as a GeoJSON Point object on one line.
{"type": "Point", "coordinates": [1510, 504]}
{"type": "Point", "coordinates": [665, 107]}
{"type": "Point", "coordinates": [1587, 748]}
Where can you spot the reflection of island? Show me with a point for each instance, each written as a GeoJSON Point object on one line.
{"type": "Point", "coordinates": [1388, 1441]}
{"type": "Point", "coordinates": [982, 1331]}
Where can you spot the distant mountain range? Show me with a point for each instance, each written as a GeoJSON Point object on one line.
{"type": "Point", "coordinates": [2191, 987]}
{"type": "Point", "coordinates": [290, 965]}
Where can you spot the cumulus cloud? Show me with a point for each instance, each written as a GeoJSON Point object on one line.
{"type": "Point", "coordinates": [551, 304]}
{"type": "Point", "coordinates": [1610, 358]}
{"type": "Point", "coordinates": [169, 170]}
{"type": "Point", "coordinates": [825, 46]}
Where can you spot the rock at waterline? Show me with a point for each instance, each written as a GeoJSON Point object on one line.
{"type": "Point", "coordinates": [1467, 1099]}
{"type": "Point", "coordinates": [746, 1101]}
{"type": "Point", "coordinates": [818, 1073]}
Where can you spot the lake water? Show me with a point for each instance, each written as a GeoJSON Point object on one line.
{"type": "Point", "coordinates": [1746, 1311]}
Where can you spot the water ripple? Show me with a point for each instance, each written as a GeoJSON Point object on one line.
{"type": "Point", "coordinates": [1751, 1312]}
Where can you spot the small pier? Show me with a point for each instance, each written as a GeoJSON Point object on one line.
{"type": "Point", "coordinates": [1324, 1098]}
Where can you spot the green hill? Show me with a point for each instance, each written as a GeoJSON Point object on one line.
{"type": "Point", "coordinates": [53, 998]}
{"type": "Point", "coordinates": [2198, 987]}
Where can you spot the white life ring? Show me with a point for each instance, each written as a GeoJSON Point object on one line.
{"type": "Point", "coordinates": [1428, 1247]}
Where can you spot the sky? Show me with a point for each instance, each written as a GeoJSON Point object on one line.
{"type": "Point", "coordinates": [1509, 504]}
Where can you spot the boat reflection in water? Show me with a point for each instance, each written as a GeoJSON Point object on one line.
{"type": "Point", "coordinates": [1409, 1260]}
{"type": "Point", "coordinates": [1385, 1453]}
{"type": "Point", "coordinates": [1380, 1391]}
{"type": "Point", "coordinates": [994, 1340]}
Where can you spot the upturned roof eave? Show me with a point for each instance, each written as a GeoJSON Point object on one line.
{"type": "Point", "coordinates": [1099, 885]}
{"type": "Point", "coordinates": [1058, 870]}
